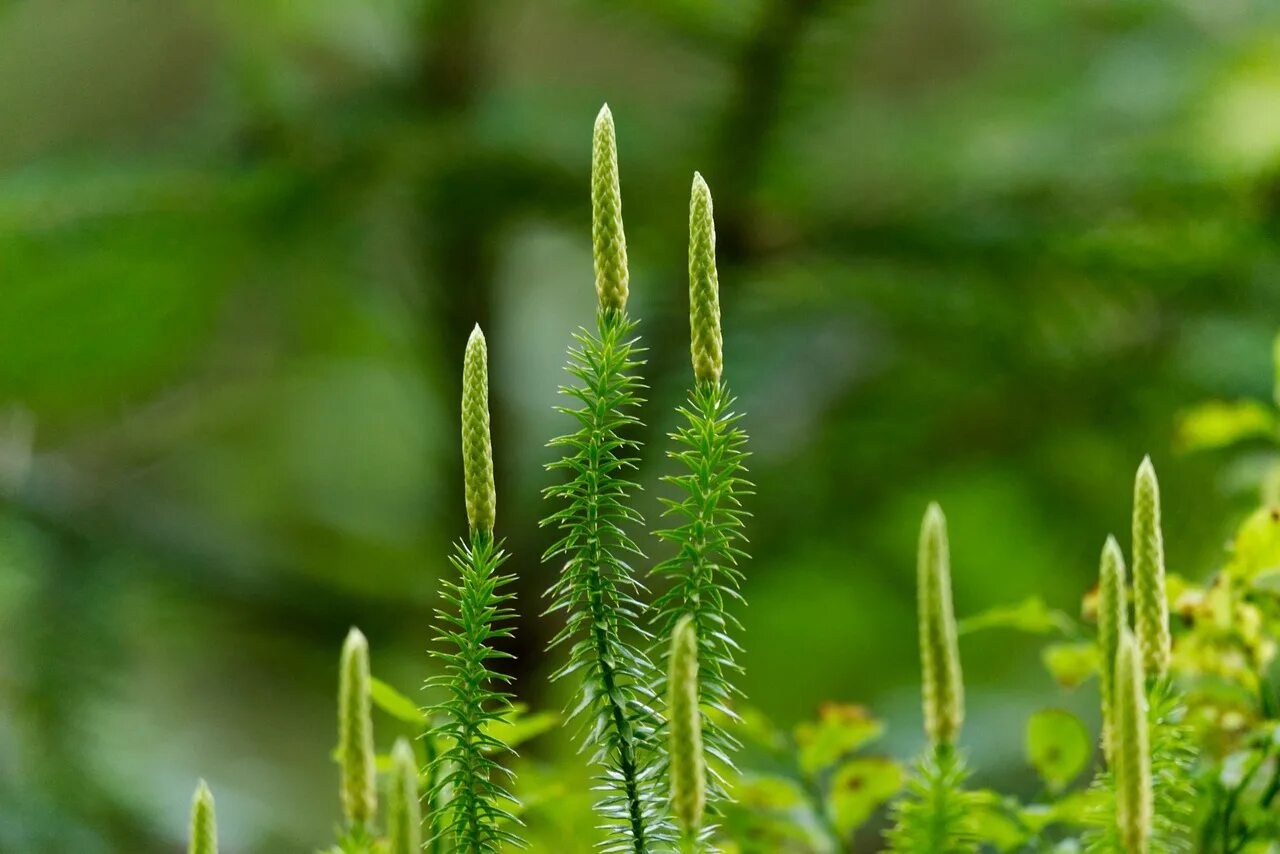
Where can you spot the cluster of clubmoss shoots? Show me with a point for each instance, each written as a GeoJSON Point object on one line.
{"type": "Point", "coordinates": [708, 539]}
{"type": "Point", "coordinates": [356, 759]}
{"type": "Point", "coordinates": [684, 719]}
{"type": "Point", "coordinates": [204, 827]}
{"type": "Point", "coordinates": [474, 616]}
{"type": "Point", "coordinates": [597, 591]}
{"type": "Point", "coordinates": [934, 814]}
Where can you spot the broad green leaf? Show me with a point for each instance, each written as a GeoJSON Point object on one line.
{"type": "Point", "coordinates": [858, 788]}
{"type": "Point", "coordinates": [520, 726]}
{"type": "Point", "coordinates": [1268, 580]}
{"type": "Point", "coordinates": [1030, 615]}
{"type": "Point", "coordinates": [839, 730]}
{"type": "Point", "coordinates": [1257, 544]}
{"type": "Point", "coordinates": [395, 704]}
{"type": "Point", "coordinates": [1058, 746]}
{"type": "Point", "coordinates": [1071, 663]}
{"type": "Point", "coordinates": [1220, 424]}
{"type": "Point", "coordinates": [768, 793]}
{"type": "Point", "coordinates": [992, 821]}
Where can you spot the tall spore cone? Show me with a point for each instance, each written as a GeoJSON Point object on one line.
{"type": "Point", "coordinates": [596, 591]}
{"type": "Point", "coordinates": [709, 534]}
{"type": "Point", "coordinates": [608, 240]}
{"type": "Point", "coordinates": [355, 732]}
{"type": "Point", "coordinates": [204, 827]}
{"type": "Point", "coordinates": [688, 771]}
{"type": "Point", "coordinates": [477, 449]}
{"type": "Point", "coordinates": [943, 687]}
{"type": "Point", "coordinates": [1112, 620]}
{"type": "Point", "coordinates": [1150, 605]}
{"type": "Point", "coordinates": [475, 614]}
{"type": "Point", "coordinates": [1132, 764]}
{"type": "Point", "coordinates": [404, 810]}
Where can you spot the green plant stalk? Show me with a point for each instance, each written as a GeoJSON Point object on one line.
{"type": "Point", "coordinates": [934, 815]}
{"type": "Point", "coordinates": [943, 687]}
{"type": "Point", "coordinates": [476, 614]}
{"type": "Point", "coordinates": [704, 570]}
{"type": "Point", "coordinates": [203, 838]}
{"type": "Point", "coordinates": [404, 809]}
{"type": "Point", "coordinates": [688, 769]}
{"type": "Point", "coordinates": [596, 590]}
{"type": "Point", "coordinates": [1151, 607]}
{"type": "Point", "coordinates": [1134, 803]}
{"type": "Point", "coordinates": [1112, 620]}
{"type": "Point", "coordinates": [355, 733]}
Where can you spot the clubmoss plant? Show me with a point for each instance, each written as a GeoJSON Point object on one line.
{"type": "Point", "coordinates": [475, 615]}
{"type": "Point", "coordinates": [355, 734]}
{"type": "Point", "coordinates": [204, 825]}
{"type": "Point", "coordinates": [1151, 607]}
{"type": "Point", "coordinates": [934, 815]}
{"type": "Point", "coordinates": [1134, 803]}
{"type": "Point", "coordinates": [688, 769]}
{"type": "Point", "coordinates": [1112, 620]}
{"type": "Point", "coordinates": [404, 810]}
{"type": "Point", "coordinates": [596, 591]}
{"type": "Point", "coordinates": [704, 570]}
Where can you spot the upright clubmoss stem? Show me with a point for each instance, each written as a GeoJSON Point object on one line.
{"type": "Point", "coordinates": [706, 341]}
{"type": "Point", "coordinates": [943, 687]}
{"type": "Point", "coordinates": [477, 447]}
{"type": "Point", "coordinates": [204, 827]}
{"type": "Point", "coordinates": [1112, 620]}
{"type": "Point", "coordinates": [608, 240]}
{"type": "Point", "coordinates": [404, 809]}
{"type": "Point", "coordinates": [1134, 801]}
{"type": "Point", "coordinates": [355, 732]}
{"type": "Point", "coordinates": [688, 769]}
{"type": "Point", "coordinates": [1151, 607]}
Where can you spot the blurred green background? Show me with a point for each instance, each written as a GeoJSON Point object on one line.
{"type": "Point", "coordinates": [970, 250]}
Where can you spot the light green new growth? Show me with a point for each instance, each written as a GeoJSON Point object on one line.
{"type": "Point", "coordinates": [1151, 607]}
{"type": "Point", "coordinates": [355, 731]}
{"type": "Point", "coordinates": [1132, 753]}
{"type": "Point", "coordinates": [404, 810]}
{"type": "Point", "coordinates": [608, 241]}
{"type": "Point", "coordinates": [688, 770]}
{"type": "Point", "coordinates": [204, 826]}
{"type": "Point", "coordinates": [1112, 620]}
{"type": "Point", "coordinates": [704, 286]}
{"type": "Point", "coordinates": [477, 451]}
{"type": "Point", "coordinates": [939, 651]}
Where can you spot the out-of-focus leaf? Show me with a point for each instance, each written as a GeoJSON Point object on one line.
{"type": "Point", "coordinates": [520, 726]}
{"type": "Point", "coordinates": [1257, 544]}
{"type": "Point", "coordinates": [840, 729]}
{"type": "Point", "coordinates": [859, 787]}
{"type": "Point", "coordinates": [768, 793]}
{"type": "Point", "coordinates": [992, 822]}
{"type": "Point", "coordinates": [1220, 424]}
{"type": "Point", "coordinates": [1058, 746]}
{"type": "Point", "coordinates": [1071, 663]}
{"type": "Point", "coordinates": [395, 704]}
{"type": "Point", "coordinates": [1030, 615]}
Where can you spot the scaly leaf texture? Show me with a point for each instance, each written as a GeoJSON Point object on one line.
{"type": "Point", "coordinates": [404, 809]}
{"type": "Point", "coordinates": [934, 815]}
{"type": "Point", "coordinates": [608, 240]}
{"type": "Point", "coordinates": [1112, 620]}
{"type": "Point", "coordinates": [943, 686]}
{"type": "Point", "coordinates": [477, 448]}
{"type": "Point", "coordinates": [475, 615]}
{"type": "Point", "coordinates": [703, 574]}
{"type": "Point", "coordinates": [1151, 607]}
{"type": "Point", "coordinates": [597, 591]}
{"type": "Point", "coordinates": [204, 826]}
{"type": "Point", "coordinates": [355, 732]}
{"type": "Point", "coordinates": [688, 768]}
{"type": "Point", "coordinates": [1134, 807]}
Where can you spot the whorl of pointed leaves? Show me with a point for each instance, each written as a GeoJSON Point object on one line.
{"type": "Point", "coordinates": [688, 769]}
{"type": "Point", "coordinates": [355, 732]}
{"type": "Point", "coordinates": [597, 591]}
{"type": "Point", "coordinates": [706, 342]}
{"type": "Point", "coordinates": [1112, 620]}
{"type": "Point", "coordinates": [204, 827]}
{"type": "Point", "coordinates": [1132, 751]}
{"type": "Point", "coordinates": [608, 241]}
{"type": "Point", "coordinates": [934, 814]}
{"type": "Point", "coordinates": [1150, 605]}
{"type": "Point", "coordinates": [404, 810]}
{"type": "Point", "coordinates": [943, 687]}
{"type": "Point", "coordinates": [477, 449]}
